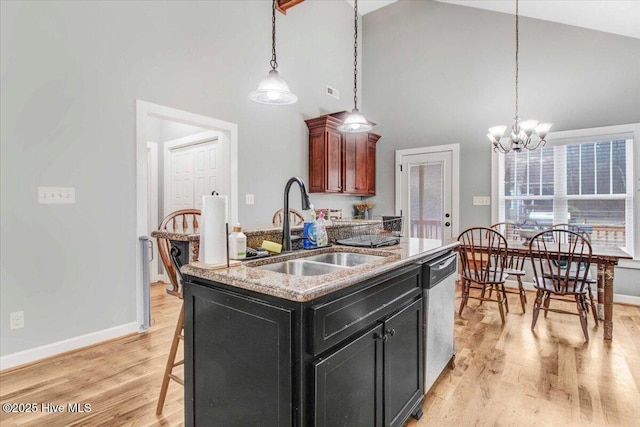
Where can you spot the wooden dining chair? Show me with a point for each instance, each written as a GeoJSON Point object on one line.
{"type": "Point", "coordinates": [483, 257]}
{"type": "Point", "coordinates": [295, 217]}
{"type": "Point", "coordinates": [184, 221]}
{"type": "Point", "coordinates": [590, 280]}
{"type": "Point", "coordinates": [561, 261]}
{"type": "Point", "coordinates": [514, 264]}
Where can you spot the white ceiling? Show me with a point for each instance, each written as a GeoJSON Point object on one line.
{"type": "Point", "coordinates": [612, 16]}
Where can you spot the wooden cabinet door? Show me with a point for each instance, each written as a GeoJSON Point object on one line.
{"type": "Point", "coordinates": [325, 161]}
{"type": "Point", "coordinates": [356, 168]}
{"type": "Point", "coordinates": [237, 360]}
{"type": "Point", "coordinates": [403, 364]}
{"type": "Point", "coordinates": [348, 383]}
{"type": "Point", "coordinates": [371, 163]}
{"type": "Point", "coordinates": [317, 164]}
{"type": "Point", "coordinates": [333, 163]}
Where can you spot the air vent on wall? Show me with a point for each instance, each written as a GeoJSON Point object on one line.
{"type": "Point", "coordinates": [333, 92]}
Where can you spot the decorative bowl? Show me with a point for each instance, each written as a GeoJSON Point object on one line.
{"type": "Point", "coordinates": [527, 235]}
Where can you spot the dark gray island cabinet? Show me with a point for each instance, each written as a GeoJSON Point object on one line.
{"type": "Point", "coordinates": [353, 357]}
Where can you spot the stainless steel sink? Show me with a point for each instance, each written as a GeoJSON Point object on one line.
{"type": "Point", "coordinates": [346, 259]}
{"type": "Point", "coordinates": [301, 267]}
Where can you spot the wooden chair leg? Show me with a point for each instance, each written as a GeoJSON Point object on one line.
{"type": "Point", "coordinates": [500, 288]}
{"type": "Point", "coordinates": [536, 307]}
{"type": "Point", "coordinates": [523, 295]}
{"type": "Point", "coordinates": [171, 362]}
{"type": "Point", "coordinates": [500, 302]}
{"type": "Point", "coordinates": [547, 300]}
{"type": "Point", "coordinates": [594, 309]}
{"type": "Point", "coordinates": [583, 315]}
{"type": "Point", "coordinates": [465, 295]}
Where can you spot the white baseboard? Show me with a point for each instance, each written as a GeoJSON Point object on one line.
{"type": "Point", "coordinates": [48, 350]}
{"type": "Point", "coordinates": [626, 299]}
{"type": "Point", "coordinates": [623, 299]}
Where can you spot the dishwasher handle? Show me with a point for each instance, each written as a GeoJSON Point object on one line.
{"type": "Point", "coordinates": [439, 269]}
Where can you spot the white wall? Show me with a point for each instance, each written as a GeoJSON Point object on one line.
{"type": "Point", "coordinates": [453, 77]}
{"type": "Point", "coordinates": [71, 74]}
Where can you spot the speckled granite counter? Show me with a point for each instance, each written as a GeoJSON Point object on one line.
{"type": "Point", "coordinates": [307, 288]}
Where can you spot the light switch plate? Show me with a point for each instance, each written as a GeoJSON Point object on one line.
{"type": "Point", "coordinates": [481, 201]}
{"type": "Point", "coordinates": [16, 320]}
{"type": "Point", "coordinates": [55, 195]}
{"type": "Point", "coordinates": [249, 199]}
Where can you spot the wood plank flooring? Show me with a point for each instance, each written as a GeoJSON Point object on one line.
{"type": "Point", "coordinates": [505, 375]}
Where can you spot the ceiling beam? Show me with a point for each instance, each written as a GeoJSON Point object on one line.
{"type": "Point", "coordinates": [283, 5]}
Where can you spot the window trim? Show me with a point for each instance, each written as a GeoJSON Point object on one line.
{"type": "Point", "coordinates": [626, 131]}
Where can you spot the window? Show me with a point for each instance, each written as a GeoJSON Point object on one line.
{"type": "Point", "coordinates": [587, 183]}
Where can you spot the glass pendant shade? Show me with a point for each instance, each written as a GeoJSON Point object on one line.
{"type": "Point", "coordinates": [528, 126]}
{"type": "Point", "coordinates": [497, 132]}
{"type": "Point", "coordinates": [273, 90]}
{"type": "Point", "coordinates": [543, 129]}
{"type": "Point", "coordinates": [355, 122]}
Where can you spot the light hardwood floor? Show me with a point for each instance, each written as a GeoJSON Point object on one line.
{"type": "Point", "coordinates": [504, 375]}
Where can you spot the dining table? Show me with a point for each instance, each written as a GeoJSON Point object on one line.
{"type": "Point", "coordinates": [605, 258]}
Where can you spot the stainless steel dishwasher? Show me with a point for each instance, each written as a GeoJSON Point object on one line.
{"type": "Point", "coordinates": [438, 286]}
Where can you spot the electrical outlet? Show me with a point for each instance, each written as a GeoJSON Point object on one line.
{"type": "Point", "coordinates": [16, 320]}
{"type": "Point", "coordinates": [249, 199]}
{"type": "Point", "coordinates": [55, 195]}
{"type": "Point", "coordinates": [481, 201]}
{"type": "Point", "coordinates": [333, 92]}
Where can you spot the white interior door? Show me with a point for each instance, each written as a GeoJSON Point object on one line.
{"type": "Point", "coordinates": [424, 191]}
{"type": "Point", "coordinates": [206, 170]}
{"type": "Point", "coordinates": [194, 170]}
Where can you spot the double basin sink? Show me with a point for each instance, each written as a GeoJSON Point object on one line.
{"type": "Point", "coordinates": [316, 265]}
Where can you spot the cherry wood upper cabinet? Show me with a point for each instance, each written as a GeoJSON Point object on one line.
{"type": "Point", "coordinates": [340, 162]}
{"type": "Point", "coordinates": [325, 155]}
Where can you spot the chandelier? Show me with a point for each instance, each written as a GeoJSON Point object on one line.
{"type": "Point", "coordinates": [272, 89]}
{"type": "Point", "coordinates": [522, 132]}
{"type": "Point", "coordinates": [355, 121]}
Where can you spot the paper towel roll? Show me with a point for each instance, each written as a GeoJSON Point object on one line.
{"type": "Point", "coordinates": [213, 230]}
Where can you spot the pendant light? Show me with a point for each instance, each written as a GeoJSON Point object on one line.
{"type": "Point", "coordinates": [521, 131]}
{"type": "Point", "coordinates": [273, 90]}
{"type": "Point", "coordinates": [355, 121]}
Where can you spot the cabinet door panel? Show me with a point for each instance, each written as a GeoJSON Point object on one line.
{"type": "Point", "coordinates": [334, 161]}
{"type": "Point", "coordinates": [403, 363]}
{"type": "Point", "coordinates": [348, 384]}
{"type": "Point", "coordinates": [232, 341]}
{"type": "Point", "coordinates": [371, 166]}
{"type": "Point", "coordinates": [317, 173]}
{"type": "Point", "coordinates": [356, 169]}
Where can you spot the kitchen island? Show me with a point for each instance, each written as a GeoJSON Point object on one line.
{"type": "Point", "coordinates": [342, 348]}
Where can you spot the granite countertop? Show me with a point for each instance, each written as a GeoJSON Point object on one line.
{"type": "Point", "coordinates": [307, 288]}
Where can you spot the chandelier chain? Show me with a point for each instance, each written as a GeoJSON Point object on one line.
{"type": "Point", "coordinates": [355, 55]}
{"type": "Point", "coordinates": [517, 64]}
{"type": "Point", "coordinates": [274, 62]}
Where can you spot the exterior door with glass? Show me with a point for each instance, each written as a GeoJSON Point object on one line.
{"type": "Point", "coordinates": [424, 185]}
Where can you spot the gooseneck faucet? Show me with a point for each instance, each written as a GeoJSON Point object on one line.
{"type": "Point", "coordinates": [286, 226]}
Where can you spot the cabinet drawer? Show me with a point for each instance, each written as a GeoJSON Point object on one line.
{"type": "Point", "coordinates": [334, 321]}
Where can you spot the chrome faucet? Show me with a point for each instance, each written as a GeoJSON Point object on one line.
{"type": "Point", "coordinates": [286, 226]}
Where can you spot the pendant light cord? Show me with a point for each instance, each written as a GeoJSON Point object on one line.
{"type": "Point", "coordinates": [274, 63]}
{"type": "Point", "coordinates": [517, 65]}
{"type": "Point", "coordinates": [355, 55]}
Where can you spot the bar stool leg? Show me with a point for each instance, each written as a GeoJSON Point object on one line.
{"type": "Point", "coordinates": [171, 362]}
